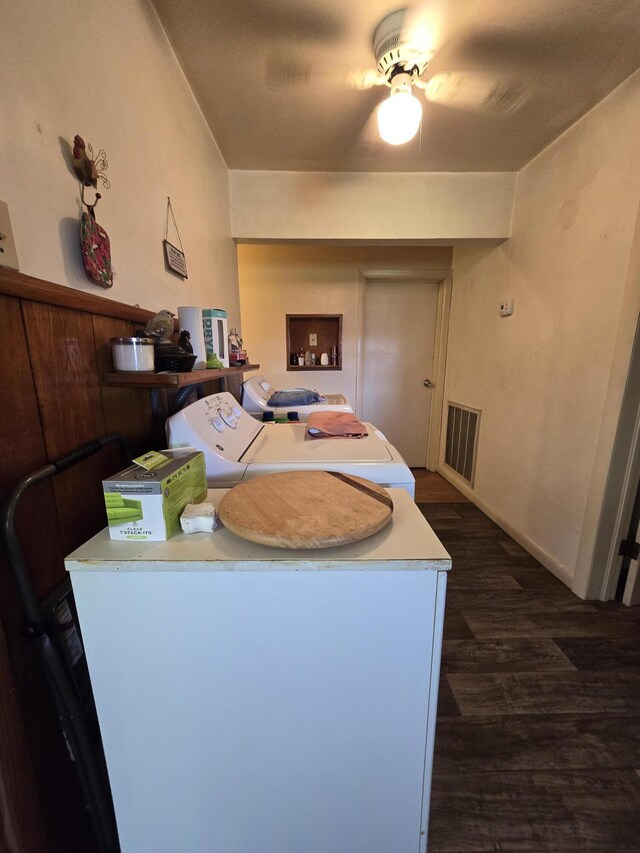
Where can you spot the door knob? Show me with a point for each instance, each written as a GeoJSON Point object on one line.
{"type": "Point", "coordinates": [428, 383]}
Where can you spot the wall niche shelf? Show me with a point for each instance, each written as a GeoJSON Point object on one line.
{"type": "Point", "coordinates": [294, 367]}
{"type": "Point", "coordinates": [328, 331]}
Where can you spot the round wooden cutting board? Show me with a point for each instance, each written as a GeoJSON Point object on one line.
{"type": "Point", "coordinates": [306, 509]}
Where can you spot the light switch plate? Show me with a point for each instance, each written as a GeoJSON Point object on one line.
{"type": "Point", "coordinates": [506, 308]}
{"type": "Point", "coordinates": [313, 340]}
{"type": "Point", "coordinates": [8, 254]}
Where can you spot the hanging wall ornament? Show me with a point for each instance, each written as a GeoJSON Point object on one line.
{"type": "Point", "coordinates": [94, 240]}
{"type": "Point", "coordinates": [96, 247]}
{"type": "Point", "coordinates": [174, 257]}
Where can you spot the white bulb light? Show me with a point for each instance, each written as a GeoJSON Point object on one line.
{"type": "Point", "coordinates": [399, 116]}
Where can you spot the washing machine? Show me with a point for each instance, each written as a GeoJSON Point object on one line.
{"type": "Point", "coordinates": [257, 391]}
{"type": "Point", "coordinates": [238, 447]}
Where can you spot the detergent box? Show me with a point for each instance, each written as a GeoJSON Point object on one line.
{"type": "Point", "coordinates": [145, 501]}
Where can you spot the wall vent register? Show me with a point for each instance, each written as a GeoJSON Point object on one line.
{"type": "Point", "coordinates": [462, 439]}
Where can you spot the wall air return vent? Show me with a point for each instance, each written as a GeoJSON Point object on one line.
{"type": "Point", "coordinates": [462, 438]}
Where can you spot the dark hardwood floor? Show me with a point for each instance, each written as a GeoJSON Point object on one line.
{"type": "Point", "coordinates": [538, 736]}
{"type": "Point", "coordinates": [433, 488]}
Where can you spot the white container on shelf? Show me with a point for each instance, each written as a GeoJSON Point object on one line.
{"type": "Point", "coordinates": [133, 354]}
{"type": "Point", "coordinates": [190, 318]}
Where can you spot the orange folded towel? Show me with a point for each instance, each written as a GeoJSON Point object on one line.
{"type": "Point", "coordinates": [335, 425]}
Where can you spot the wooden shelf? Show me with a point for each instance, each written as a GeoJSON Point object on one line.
{"type": "Point", "coordinates": [314, 367]}
{"type": "Point", "coordinates": [173, 380]}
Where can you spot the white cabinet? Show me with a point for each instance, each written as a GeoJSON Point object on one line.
{"type": "Point", "coordinates": [257, 699]}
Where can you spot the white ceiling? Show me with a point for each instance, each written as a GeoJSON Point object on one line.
{"type": "Point", "coordinates": [272, 78]}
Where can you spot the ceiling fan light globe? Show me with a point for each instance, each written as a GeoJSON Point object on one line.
{"type": "Point", "coordinates": [399, 118]}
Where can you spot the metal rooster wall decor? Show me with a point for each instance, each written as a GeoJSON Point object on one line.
{"type": "Point", "coordinates": [94, 240]}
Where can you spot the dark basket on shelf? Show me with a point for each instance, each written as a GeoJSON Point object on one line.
{"type": "Point", "coordinates": [174, 363]}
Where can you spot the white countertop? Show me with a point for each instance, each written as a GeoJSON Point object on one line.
{"type": "Point", "coordinates": [407, 543]}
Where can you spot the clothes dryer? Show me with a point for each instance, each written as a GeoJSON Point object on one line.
{"type": "Point", "coordinates": [237, 447]}
{"type": "Point", "coordinates": [257, 391]}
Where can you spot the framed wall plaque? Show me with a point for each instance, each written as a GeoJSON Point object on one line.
{"type": "Point", "coordinates": [175, 259]}
{"type": "Point", "coordinates": [174, 256]}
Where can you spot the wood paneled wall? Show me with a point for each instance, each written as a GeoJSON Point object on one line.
{"type": "Point", "coordinates": [55, 351]}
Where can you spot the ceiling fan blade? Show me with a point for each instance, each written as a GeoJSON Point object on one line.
{"type": "Point", "coordinates": [287, 19]}
{"type": "Point", "coordinates": [364, 78]}
{"type": "Point", "coordinates": [296, 71]}
{"type": "Point", "coordinates": [287, 70]}
{"type": "Point", "coordinates": [477, 92]}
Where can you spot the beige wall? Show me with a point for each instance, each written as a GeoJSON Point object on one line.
{"type": "Point", "coordinates": [276, 280]}
{"type": "Point", "coordinates": [107, 72]}
{"type": "Point", "coordinates": [546, 378]}
{"type": "Point", "coordinates": [436, 207]}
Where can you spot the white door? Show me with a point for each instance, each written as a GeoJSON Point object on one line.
{"type": "Point", "coordinates": [399, 339]}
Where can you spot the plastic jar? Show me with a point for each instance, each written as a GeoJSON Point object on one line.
{"type": "Point", "coordinates": [133, 354]}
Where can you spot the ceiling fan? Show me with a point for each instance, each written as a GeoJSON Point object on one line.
{"type": "Point", "coordinates": [404, 43]}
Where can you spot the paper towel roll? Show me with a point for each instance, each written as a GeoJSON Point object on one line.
{"type": "Point", "coordinates": [190, 318]}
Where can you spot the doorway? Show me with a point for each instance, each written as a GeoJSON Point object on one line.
{"type": "Point", "coordinates": [599, 572]}
{"type": "Point", "coordinates": [618, 525]}
{"type": "Point", "coordinates": [403, 320]}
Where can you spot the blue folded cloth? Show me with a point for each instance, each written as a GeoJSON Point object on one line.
{"type": "Point", "coordinates": [295, 397]}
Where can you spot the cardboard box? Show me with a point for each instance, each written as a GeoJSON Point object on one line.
{"type": "Point", "coordinates": [146, 502]}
